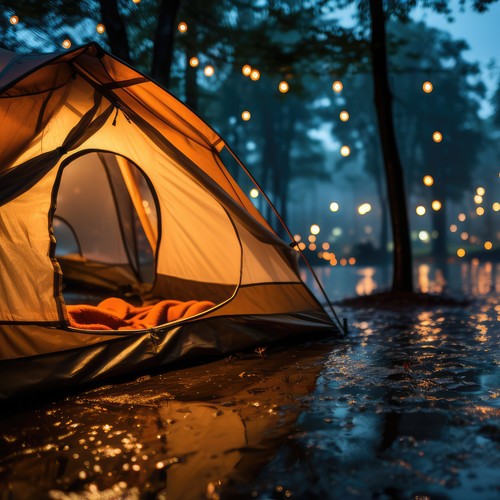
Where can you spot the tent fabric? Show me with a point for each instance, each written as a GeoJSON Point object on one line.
{"type": "Point", "coordinates": [138, 183]}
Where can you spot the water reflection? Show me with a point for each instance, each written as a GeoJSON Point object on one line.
{"type": "Point", "coordinates": [475, 278]}
{"type": "Point", "coordinates": [218, 424]}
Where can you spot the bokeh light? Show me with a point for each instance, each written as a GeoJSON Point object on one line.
{"type": "Point", "coordinates": [14, 19]}
{"type": "Point", "coordinates": [283, 87]}
{"type": "Point", "coordinates": [334, 206]}
{"type": "Point", "coordinates": [420, 210]}
{"type": "Point", "coordinates": [254, 193]}
{"type": "Point", "coordinates": [66, 43]}
{"type": "Point", "coordinates": [427, 87]}
{"type": "Point", "coordinates": [461, 252]}
{"type": "Point", "coordinates": [182, 27]}
{"type": "Point", "coordinates": [488, 245]}
{"type": "Point", "coordinates": [246, 70]}
{"type": "Point", "coordinates": [337, 86]}
{"type": "Point", "coordinates": [315, 229]}
{"type": "Point", "coordinates": [194, 62]}
{"type": "Point", "coordinates": [344, 116]}
{"type": "Point", "coordinates": [345, 150]}
{"type": "Point", "coordinates": [209, 70]}
{"type": "Point", "coordinates": [245, 116]}
{"type": "Point", "coordinates": [428, 180]}
{"type": "Point", "coordinates": [437, 136]}
{"type": "Point", "coordinates": [364, 208]}
{"type": "Point", "coordinates": [100, 28]}
{"type": "Point", "coordinates": [254, 75]}
{"type": "Point", "coordinates": [436, 205]}
{"type": "Point", "coordinates": [480, 191]}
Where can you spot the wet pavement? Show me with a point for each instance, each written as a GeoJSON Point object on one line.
{"type": "Point", "coordinates": [406, 406]}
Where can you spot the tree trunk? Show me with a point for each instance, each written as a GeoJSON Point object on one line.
{"type": "Point", "coordinates": [403, 272]}
{"type": "Point", "coordinates": [117, 34]}
{"type": "Point", "coordinates": [164, 41]}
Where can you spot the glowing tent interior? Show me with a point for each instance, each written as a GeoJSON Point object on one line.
{"type": "Point", "coordinates": [106, 178]}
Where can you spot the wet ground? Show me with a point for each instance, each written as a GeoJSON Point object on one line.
{"type": "Point", "coordinates": [406, 406]}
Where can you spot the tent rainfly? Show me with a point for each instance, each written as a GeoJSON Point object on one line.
{"type": "Point", "coordinates": [106, 178]}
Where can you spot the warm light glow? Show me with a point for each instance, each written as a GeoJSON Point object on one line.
{"type": "Point", "coordinates": [311, 238]}
{"type": "Point", "coordinates": [100, 28]}
{"type": "Point", "coordinates": [345, 150]}
{"type": "Point", "coordinates": [136, 1]}
{"type": "Point", "coordinates": [283, 87]}
{"type": "Point", "coordinates": [364, 208]}
{"type": "Point", "coordinates": [488, 245]}
{"type": "Point", "coordinates": [461, 217]}
{"type": "Point", "coordinates": [193, 62]}
{"type": "Point", "coordinates": [315, 229]}
{"type": "Point", "coordinates": [423, 236]}
{"type": "Point", "coordinates": [254, 193]}
{"type": "Point", "coordinates": [478, 199]}
{"type": "Point", "coordinates": [420, 210]}
{"type": "Point", "coordinates": [182, 27]}
{"type": "Point", "coordinates": [496, 206]}
{"type": "Point", "coordinates": [254, 75]}
{"type": "Point", "coordinates": [352, 261]}
{"type": "Point", "coordinates": [464, 235]}
{"type": "Point", "coordinates": [14, 20]}
{"type": "Point", "coordinates": [453, 228]}
{"type": "Point", "coordinates": [344, 116]}
{"type": "Point", "coordinates": [343, 261]}
{"type": "Point", "coordinates": [325, 246]}
{"type": "Point", "coordinates": [334, 206]}
{"type": "Point", "coordinates": [66, 44]}
{"type": "Point", "coordinates": [437, 136]}
{"type": "Point", "coordinates": [436, 205]}
{"type": "Point", "coordinates": [480, 191]}
{"type": "Point", "coordinates": [297, 237]}
{"type": "Point", "coordinates": [428, 180]}
{"type": "Point", "coordinates": [312, 247]}
{"type": "Point", "coordinates": [209, 70]}
{"type": "Point", "coordinates": [245, 116]}
{"type": "Point", "coordinates": [337, 86]}
{"type": "Point", "coordinates": [427, 87]}
{"type": "Point", "coordinates": [302, 245]}
{"type": "Point", "coordinates": [461, 252]}
{"type": "Point", "coordinates": [246, 70]}
{"type": "Point", "coordinates": [480, 211]}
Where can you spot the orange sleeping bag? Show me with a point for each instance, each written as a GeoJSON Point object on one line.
{"type": "Point", "coordinates": [117, 314]}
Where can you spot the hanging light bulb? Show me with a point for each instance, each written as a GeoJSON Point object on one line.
{"type": "Point", "coordinates": [428, 180]}
{"type": "Point", "coordinates": [254, 75]}
{"type": "Point", "coordinates": [437, 136]}
{"type": "Point", "coordinates": [100, 28]}
{"type": "Point", "coordinates": [427, 87]}
{"type": "Point", "coordinates": [345, 150]}
{"type": "Point", "coordinates": [283, 87]}
{"type": "Point", "coordinates": [245, 116]}
{"type": "Point", "coordinates": [66, 43]}
{"type": "Point", "coordinates": [344, 116]}
{"type": "Point", "coordinates": [337, 86]}
{"type": "Point", "coordinates": [14, 20]}
{"type": "Point", "coordinates": [136, 1]}
{"type": "Point", "coordinates": [182, 27]}
{"type": "Point", "coordinates": [246, 70]}
{"type": "Point", "coordinates": [193, 62]}
{"type": "Point", "coordinates": [209, 70]}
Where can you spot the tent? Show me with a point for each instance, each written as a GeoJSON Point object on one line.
{"type": "Point", "coordinates": [105, 177]}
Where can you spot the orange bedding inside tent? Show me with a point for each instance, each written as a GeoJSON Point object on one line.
{"type": "Point", "coordinates": [117, 314]}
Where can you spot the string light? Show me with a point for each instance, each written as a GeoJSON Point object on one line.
{"type": "Point", "coordinates": [209, 71]}
{"type": "Point", "coordinates": [423, 236]}
{"type": "Point", "coordinates": [345, 150]}
{"type": "Point", "coordinates": [100, 28]}
{"type": "Point", "coordinates": [337, 86]}
{"type": "Point", "coordinates": [311, 238]}
{"type": "Point", "coordinates": [478, 199]}
{"type": "Point", "coordinates": [182, 27]}
{"type": "Point", "coordinates": [246, 70]}
{"type": "Point", "coordinates": [283, 87]}
{"type": "Point", "coordinates": [428, 180]}
{"type": "Point", "coordinates": [315, 229]}
{"type": "Point", "coordinates": [364, 208]}
{"type": "Point", "coordinates": [462, 217]}
{"type": "Point", "coordinates": [254, 193]}
{"type": "Point", "coordinates": [420, 210]}
{"type": "Point", "coordinates": [194, 62]}
{"type": "Point", "coordinates": [453, 228]}
{"type": "Point", "coordinates": [427, 87]}
{"type": "Point", "coordinates": [344, 116]}
{"type": "Point", "coordinates": [66, 43]}
{"type": "Point", "coordinates": [325, 246]}
{"type": "Point", "coordinates": [437, 136]}
{"type": "Point", "coordinates": [480, 191]}
{"type": "Point", "coordinates": [254, 75]}
{"type": "Point", "coordinates": [496, 206]}
{"type": "Point", "coordinates": [461, 252]}
{"type": "Point", "coordinates": [14, 19]}
{"type": "Point", "coordinates": [436, 205]}
{"type": "Point", "coordinates": [488, 245]}
{"type": "Point", "coordinates": [464, 235]}
{"type": "Point", "coordinates": [245, 116]}
{"type": "Point", "coordinates": [334, 206]}
{"type": "Point", "coordinates": [480, 211]}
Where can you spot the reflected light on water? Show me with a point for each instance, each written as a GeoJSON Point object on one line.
{"type": "Point", "coordinates": [428, 285]}
{"type": "Point", "coordinates": [366, 284]}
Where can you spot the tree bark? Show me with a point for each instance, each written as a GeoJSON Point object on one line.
{"type": "Point", "coordinates": [164, 41]}
{"type": "Point", "coordinates": [403, 271]}
{"type": "Point", "coordinates": [117, 34]}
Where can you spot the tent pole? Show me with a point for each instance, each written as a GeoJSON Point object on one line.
{"type": "Point", "coordinates": [136, 197]}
